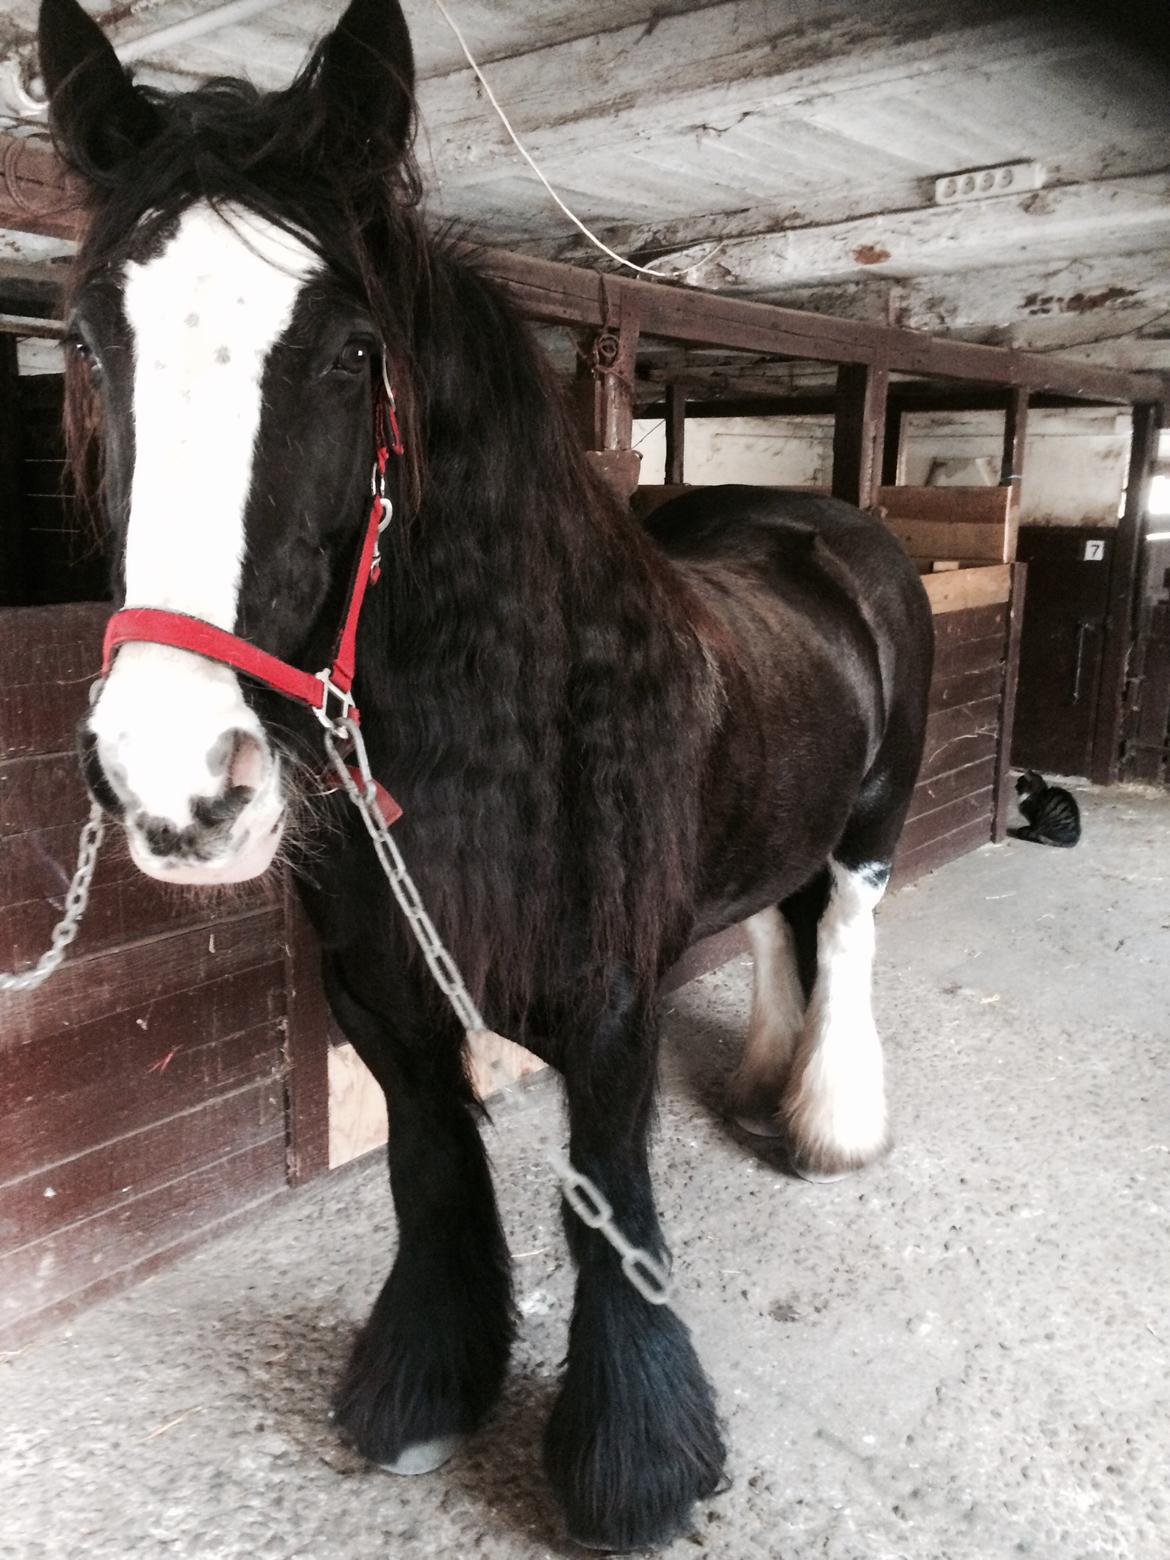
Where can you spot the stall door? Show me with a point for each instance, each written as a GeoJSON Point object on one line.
{"type": "Point", "coordinates": [1061, 648]}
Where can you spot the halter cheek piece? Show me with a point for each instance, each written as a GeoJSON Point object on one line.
{"type": "Point", "coordinates": [329, 692]}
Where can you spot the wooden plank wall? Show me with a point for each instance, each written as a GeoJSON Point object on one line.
{"type": "Point", "coordinates": [142, 1089]}
{"type": "Point", "coordinates": [968, 524]}
{"type": "Point", "coordinates": [957, 800]}
{"type": "Point", "coordinates": [1149, 744]}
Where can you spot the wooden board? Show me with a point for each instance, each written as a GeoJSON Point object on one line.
{"type": "Point", "coordinates": [976, 524]}
{"type": "Point", "coordinates": [960, 589]}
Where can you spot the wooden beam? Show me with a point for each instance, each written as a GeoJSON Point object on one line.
{"type": "Point", "coordinates": [676, 423]}
{"type": "Point", "coordinates": [1106, 757]}
{"type": "Point", "coordinates": [1015, 432]}
{"type": "Point", "coordinates": [902, 398]}
{"type": "Point", "coordinates": [891, 474]}
{"type": "Point", "coordinates": [1103, 216]}
{"type": "Point", "coordinates": [563, 295]}
{"type": "Point", "coordinates": [959, 589]}
{"type": "Point", "coordinates": [636, 85]}
{"type": "Point", "coordinates": [859, 431]}
{"type": "Point", "coordinates": [1007, 709]}
{"type": "Point", "coordinates": [37, 193]}
{"type": "Point", "coordinates": [42, 198]}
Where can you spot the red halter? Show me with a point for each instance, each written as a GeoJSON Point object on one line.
{"type": "Point", "coordinates": [328, 693]}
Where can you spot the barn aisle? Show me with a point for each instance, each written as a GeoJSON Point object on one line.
{"type": "Point", "coordinates": [963, 1353]}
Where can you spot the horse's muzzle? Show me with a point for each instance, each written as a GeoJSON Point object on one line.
{"type": "Point", "coordinates": [189, 771]}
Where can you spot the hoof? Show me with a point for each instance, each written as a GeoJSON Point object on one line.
{"type": "Point", "coordinates": [632, 1549]}
{"type": "Point", "coordinates": [820, 1177]}
{"type": "Point", "coordinates": [759, 1126]}
{"type": "Point", "coordinates": [753, 1104]}
{"type": "Point", "coordinates": [825, 1165]}
{"type": "Point", "coordinates": [424, 1456]}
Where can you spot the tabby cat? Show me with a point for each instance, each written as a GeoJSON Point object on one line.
{"type": "Point", "coordinates": [1052, 813]}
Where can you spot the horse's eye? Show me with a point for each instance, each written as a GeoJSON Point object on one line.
{"type": "Point", "coordinates": [353, 358]}
{"type": "Point", "coordinates": [81, 352]}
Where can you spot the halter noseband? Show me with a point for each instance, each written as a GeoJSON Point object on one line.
{"type": "Point", "coordinates": [328, 693]}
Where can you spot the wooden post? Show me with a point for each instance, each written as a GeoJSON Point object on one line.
{"type": "Point", "coordinates": [1147, 422]}
{"type": "Point", "coordinates": [604, 397]}
{"type": "Point", "coordinates": [13, 563]}
{"type": "Point", "coordinates": [1007, 707]}
{"type": "Point", "coordinates": [1015, 430]}
{"type": "Point", "coordinates": [858, 431]}
{"type": "Point", "coordinates": [892, 447]}
{"type": "Point", "coordinates": [676, 422]}
{"type": "Point", "coordinates": [1011, 468]}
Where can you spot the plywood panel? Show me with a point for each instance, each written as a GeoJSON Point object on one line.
{"type": "Point", "coordinates": [150, 1077]}
{"type": "Point", "coordinates": [48, 1200]}
{"type": "Point", "coordinates": [974, 810]}
{"type": "Point", "coordinates": [951, 786]}
{"type": "Point", "coordinates": [978, 524]}
{"type": "Point", "coordinates": [960, 589]}
{"type": "Point", "coordinates": [50, 655]}
{"type": "Point", "coordinates": [101, 1252]}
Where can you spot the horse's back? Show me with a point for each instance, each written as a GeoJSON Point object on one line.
{"type": "Point", "coordinates": [785, 526]}
{"type": "Point", "coordinates": [821, 555]}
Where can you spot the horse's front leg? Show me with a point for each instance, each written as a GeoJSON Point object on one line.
{"type": "Point", "coordinates": [430, 1362]}
{"type": "Point", "coordinates": [633, 1439]}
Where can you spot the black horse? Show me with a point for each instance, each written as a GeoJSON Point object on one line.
{"type": "Point", "coordinates": [609, 740]}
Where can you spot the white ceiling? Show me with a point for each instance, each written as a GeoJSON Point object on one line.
{"type": "Point", "coordinates": [782, 148]}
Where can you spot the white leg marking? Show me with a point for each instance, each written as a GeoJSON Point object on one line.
{"type": "Point", "coordinates": [754, 1091]}
{"type": "Point", "coordinates": [834, 1105]}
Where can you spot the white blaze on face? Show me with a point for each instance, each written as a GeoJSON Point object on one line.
{"type": "Point", "coordinates": [204, 315]}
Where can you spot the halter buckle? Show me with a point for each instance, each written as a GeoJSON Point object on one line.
{"type": "Point", "coordinates": [339, 720]}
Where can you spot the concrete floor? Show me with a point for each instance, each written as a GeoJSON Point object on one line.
{"type": "Point", "coordinates": [964, 1352]}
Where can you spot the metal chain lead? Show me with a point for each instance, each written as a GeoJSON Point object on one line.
{"type": "Point", "coordinates": [75, 902]}
{"type": "Point", "coordinates": [649, 1276]}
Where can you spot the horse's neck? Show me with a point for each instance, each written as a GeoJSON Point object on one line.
{"type": "Point", "coordinates": [514, 539]}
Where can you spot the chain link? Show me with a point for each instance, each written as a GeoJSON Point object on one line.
{"type": "Point", "coordinates": [75, 902]}
{"type": "Point", "coordinates": [650, 1277]}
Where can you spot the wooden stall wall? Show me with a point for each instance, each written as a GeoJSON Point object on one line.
{"type": "Point", "coordinates": [962, 799]}
{"type": "Point", "coordinates": [143, 1088]}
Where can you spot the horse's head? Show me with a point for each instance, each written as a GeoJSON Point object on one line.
{"type": "Point", "coordinates": [225, 337]}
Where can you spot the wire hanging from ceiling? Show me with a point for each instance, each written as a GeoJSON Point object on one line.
{"type": "Point", "coordinates": [643, 270]}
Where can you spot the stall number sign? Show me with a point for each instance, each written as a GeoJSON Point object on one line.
{"type": "Point", "coordinates": [1094, 552]}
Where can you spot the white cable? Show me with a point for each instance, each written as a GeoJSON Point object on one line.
{"type": "Point", "coordinates": [644, 270]}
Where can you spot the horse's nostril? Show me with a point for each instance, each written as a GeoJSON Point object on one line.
{"type": "Point", "coordinates": [161, 837]}
{"type": "Point", "coordinates": [241, 757]}
{"type": "Point", "coordinates": [216, 811]}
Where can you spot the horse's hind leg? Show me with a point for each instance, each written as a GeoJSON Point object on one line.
{"type": "Point", "coordinates": [783, 942]}
{"type": "Point", "coordinates": [834, 1105]}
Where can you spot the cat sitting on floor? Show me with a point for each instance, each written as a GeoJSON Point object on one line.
{"type": "Point", "coordinates": [1052, 813]}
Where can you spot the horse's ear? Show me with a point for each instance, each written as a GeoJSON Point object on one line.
{"type": "Point", "coordinates": [97, 114]}
{"type": "Point", "coordinates": [367, 73]}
